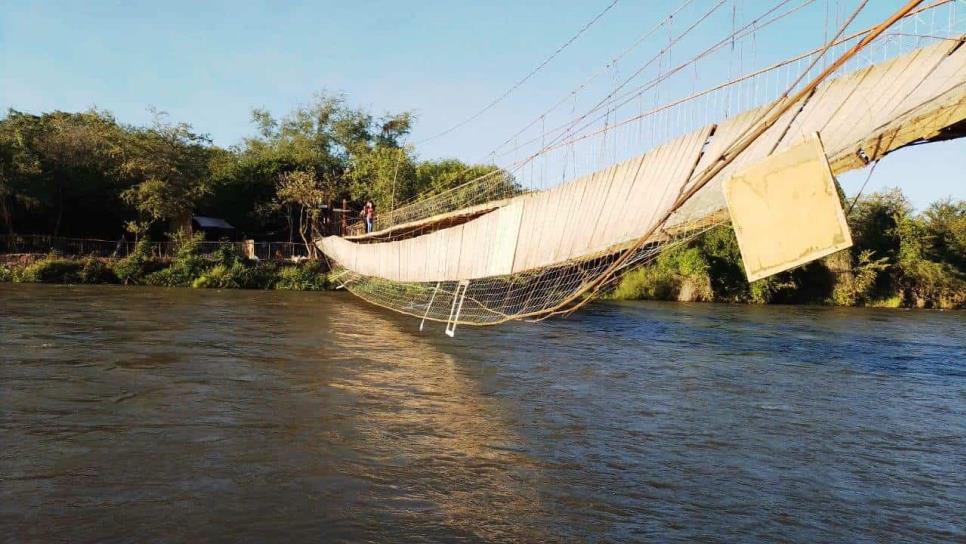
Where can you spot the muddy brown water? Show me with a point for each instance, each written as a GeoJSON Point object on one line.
{"type": "Point", "coordinates": [178, 415]}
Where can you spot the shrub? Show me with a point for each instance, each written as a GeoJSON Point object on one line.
{"type": "Point", "coordinates": [160, 278]}
{"type": "Point", "coordinates": [220, 276]}
{"type": "Point", "coordinates": [719, 247]}
{"type": "Point", "coordinates": [856, 287]}
{"type": "Point", "coordinates": [5, 274]}
{"type": "Point", "coordinates": [263, 275]}
{"type": "Point", "coordinates": [307, 276]}
{"type": "Point", "coordinates": [889, 302]}
{"type": "Point", "coordinates": [923, 282]}
{"type": "Point", "coordinates": [187, 266]}
{"type": "Point", "coordinates": [51, 270]}
{"type": "Point", "coordinates": [133, 268]}
{"type": "Point", "coordinates": [677, 274]}
{"type": "Point", "coordinates": [227, 255]}
{"type": "Point", "coordinates": [928, 284]}
{"type": "Point", "coordinates": [94, 270]}
{"type": "Point", "coordinates": [645, 283]}
{"type": "Point", "coordinates": [765, 290]}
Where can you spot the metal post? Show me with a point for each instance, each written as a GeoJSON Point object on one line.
{"type": "Point", "coordinates": [454, 312]}
{"type": "Point", "coordinates": [345, 206]}
{"type": "Point", "coordinates": [429, 306]}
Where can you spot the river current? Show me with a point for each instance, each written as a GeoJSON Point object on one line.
{"type": "Point", "coordinates": [140, 414]}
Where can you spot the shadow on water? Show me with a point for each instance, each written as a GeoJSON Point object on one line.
{"type": "Point", "coordinates": [240, 415]}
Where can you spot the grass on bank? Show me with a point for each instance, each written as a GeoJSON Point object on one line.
{"type": "Point", "coordinates": [898, 260]}
{"type": "Point", "coordinates": [226, 270]}
{"type": "Point", "coordinates": [709, 269]}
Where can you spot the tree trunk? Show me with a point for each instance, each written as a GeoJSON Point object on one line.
{"type": "Point", "coordinates": [304, 228]}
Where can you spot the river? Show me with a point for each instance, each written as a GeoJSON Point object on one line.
{"type": "Point", "coordinates": [194, 415]}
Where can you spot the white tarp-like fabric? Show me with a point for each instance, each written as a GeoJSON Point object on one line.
{"type": "Point", "coordinates": [585, 216]}
{"type": "Point", "coordinates": [866, 113]}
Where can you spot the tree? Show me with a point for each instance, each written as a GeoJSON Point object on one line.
{"type": "Point", "coordinates": [351, 153]}
{"type": "Point", "coordinates": [17, 165]}
{"type": "Point", "coordinates": [433, 177]}
{"type": "Point", "coordinates": [78, 154]}
{"type": "Point", "coordinates": [856, 286]}
{"type": "Point", "coordinates": [304, 192]}
{"type": "Point", "coordinates": [379, 168]}
{"type": "Point", "coordinates": [56, 158]}
{"type": "Point", "coordinates": [384, 175]}
{"type": "Point", "coordinates": [925, 282]}
{"type": "Point", "coordinates": [945, 221]}
{"type": "Point", "coordinates": [168, 164]}
{"type": "Point", "coordinates": [874, 221]}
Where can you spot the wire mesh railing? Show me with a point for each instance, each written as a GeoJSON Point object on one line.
{"type": "Point", "coordinates": [493, 186]}
{"type": "Point", "coordinates": [564, 285]}
{"type": "Point", "coordinates": [621, 126]}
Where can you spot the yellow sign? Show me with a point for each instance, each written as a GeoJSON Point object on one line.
{"type": "Point", "coordinates": [785, 210]}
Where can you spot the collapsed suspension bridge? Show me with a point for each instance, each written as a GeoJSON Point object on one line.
{"type": "Point", "coordinates": [496, 248]}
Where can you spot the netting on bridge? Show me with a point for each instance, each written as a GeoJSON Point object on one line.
{"type": "Point", "coordinates": [448, 257]}
{"type": "Point", "coordinates": [533, 294]}
{"type": "Point", "coordinates": [494, 186]}
{"type": "Point", "coordinates": [623, 124]}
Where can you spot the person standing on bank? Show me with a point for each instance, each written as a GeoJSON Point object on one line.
{"type": "Point", "coordinates": [369, 214]}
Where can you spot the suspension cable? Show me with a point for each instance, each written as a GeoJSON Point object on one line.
{"type": "Point", "coordinates": [519, 83]}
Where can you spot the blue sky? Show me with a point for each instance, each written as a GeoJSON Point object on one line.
{"type": "Point", "coordinates": [209, 63]}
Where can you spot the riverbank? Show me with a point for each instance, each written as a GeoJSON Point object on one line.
{"type": "Point", "coordinates": [908, 268]}
{"type": "Point", "coordinates": [656, 281]}
{"type": "Point", "coordinates": [707, 268]}
{"type": "Point", "coordinates": [224, 270]}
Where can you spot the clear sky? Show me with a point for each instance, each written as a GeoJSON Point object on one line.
{"type": "Point", "coordinates": [209, 63]}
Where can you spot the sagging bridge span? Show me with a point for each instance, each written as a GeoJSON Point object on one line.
{"type": "Point", "coordinates": [490, 250]}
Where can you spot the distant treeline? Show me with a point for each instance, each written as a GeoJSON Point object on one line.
{"type": "Point", "coordinates": [899, 258]}
{"type": "Point", "coordinates": [88, 175]}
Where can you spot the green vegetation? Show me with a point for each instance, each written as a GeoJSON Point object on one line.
{"type": "Point", "coordinates": [226, 270]}
{"type": "Point", "coordinates": [304, 278]}
{"type": "Point", "coordinates": [899, 259]}
{"type": "Point", "coordinates": [133, 268]}
{"type": "Point", "coordinates": [678, 273]}
{"type": "Point", "coordinates": [51, 270]}
{"type": "Point", "coordinates": [54, 269]}
{"type": "Point", "coordinates": [88, 175]}
{"type": "Point", "coordinates": [187, 265]}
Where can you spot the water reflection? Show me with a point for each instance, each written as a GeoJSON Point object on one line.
{"type": "Point", "coordinates": [429, 423]}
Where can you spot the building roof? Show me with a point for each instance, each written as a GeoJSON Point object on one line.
{"type": "Point", "coordinates": [211, 222]}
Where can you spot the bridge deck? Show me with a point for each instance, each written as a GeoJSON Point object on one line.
{"type": "Point", "coordinates": [860, 116]}
{"type": "Point", "coordinates": [427, 225]}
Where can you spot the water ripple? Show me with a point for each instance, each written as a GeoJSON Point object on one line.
{"type": "Point", "coordinates": [184, 415]}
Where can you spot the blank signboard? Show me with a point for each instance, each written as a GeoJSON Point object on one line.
{"type": "Point", "coordinates": [786, 211]}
